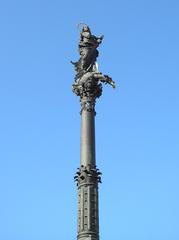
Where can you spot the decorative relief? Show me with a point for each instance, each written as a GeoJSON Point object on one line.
{"type": "Point", "coordinates": [87, 178]}
{"type": "Point", "coordinates": [88, 209]}
{"type": "Point", "coordinates": [89, 87]}
{"type": "Point", "coordinates": [87, 175]}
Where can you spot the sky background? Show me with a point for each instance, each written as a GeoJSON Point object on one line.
{"type": "Point", "coordinates": [137, 125]}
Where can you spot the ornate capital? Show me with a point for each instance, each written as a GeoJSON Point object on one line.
{"type": "Point", "coordinates": [88, 86]}
{"type": "Point", "coordinates": [88, 89]}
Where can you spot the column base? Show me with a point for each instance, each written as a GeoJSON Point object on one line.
{"type": "Point", "coordinates": [88, 237]}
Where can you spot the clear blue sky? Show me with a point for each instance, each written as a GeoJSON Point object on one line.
{"type": "Point", "coordinates": [137, 125]}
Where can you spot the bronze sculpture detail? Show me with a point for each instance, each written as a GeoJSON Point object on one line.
{"type": "Point", "coordinates": [86, 67]}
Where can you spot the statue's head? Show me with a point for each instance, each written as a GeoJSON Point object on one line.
{"type": "Point", "coordinates": [86, 29]}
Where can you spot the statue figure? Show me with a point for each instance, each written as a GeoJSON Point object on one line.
{"type": "Point", "coordinates": [88, 48]}
{"type": "Point", "coordinates": [88, 51]}
{"type": "Point", "coordinates": [88, 78]}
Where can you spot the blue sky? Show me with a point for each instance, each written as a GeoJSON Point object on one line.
{"type": "Point", "coordinates": [137, 130]}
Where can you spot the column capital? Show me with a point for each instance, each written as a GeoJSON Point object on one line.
{"type": "Point", "coordinates": [89, 88]}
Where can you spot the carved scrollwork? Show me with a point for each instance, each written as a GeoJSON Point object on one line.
{"type": "Point", "coordinates": [90, 87]}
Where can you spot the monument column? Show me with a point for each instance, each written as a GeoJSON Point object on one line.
{"type": "Point", "coordinates": [88, 86]}
{"type": "Point", "coordinates": [88, 176]}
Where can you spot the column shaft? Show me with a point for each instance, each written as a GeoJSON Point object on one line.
{"type": "Point", "coordinates": [88, 138]}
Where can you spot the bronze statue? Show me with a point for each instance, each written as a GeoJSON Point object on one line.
{"type": "Point", "coordinates": [86, 67]}
{"type": "Point", "coordinates": [88, 51]}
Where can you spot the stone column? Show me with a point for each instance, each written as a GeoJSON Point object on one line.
{"type": "Point", "coordinates": [88, 132]}
{"type": "Point", "coordinates": [88, 176]}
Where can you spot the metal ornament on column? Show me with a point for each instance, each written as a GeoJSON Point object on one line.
{"type": "Point", "coordinates": [88, 86]}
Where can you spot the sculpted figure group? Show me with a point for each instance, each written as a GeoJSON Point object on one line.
{"type": "Point", "coordinates": [86, 67]}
